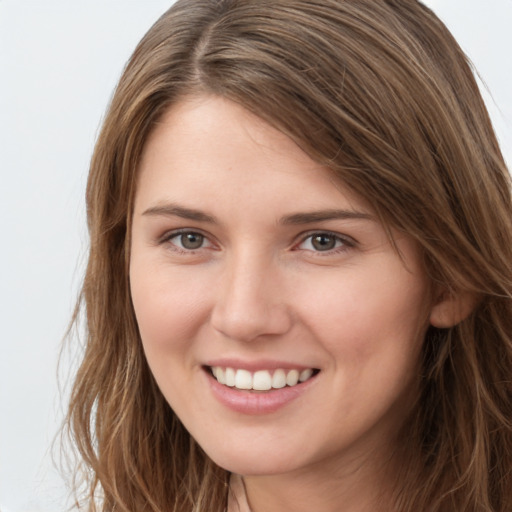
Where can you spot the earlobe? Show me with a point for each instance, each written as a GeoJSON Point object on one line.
{"type": "Point", "coordinates": [451, 308]}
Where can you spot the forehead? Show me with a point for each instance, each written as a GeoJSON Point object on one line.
{"type": "Point", "coordinates": [197, 124]}
{"type": "Point", "coordinates": [210, 144]}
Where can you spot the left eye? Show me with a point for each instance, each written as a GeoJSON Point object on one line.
{"type": "Point", "coordinates": [189, 240]}
{"type": "Point", "coordinates": [323, 242]}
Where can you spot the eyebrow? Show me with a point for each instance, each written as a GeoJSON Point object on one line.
{"type": "Point", "coordinates": [174, 210]}
{"type": "Point", "coordinates": [323, 215]}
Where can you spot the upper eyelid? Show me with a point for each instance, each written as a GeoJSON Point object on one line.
{"type": "Point", "coordinates": [298, 239]}
{"type": "Point", "coordinates": [345, 238]}
{"type": "Point", "coordinates": [166, 239]}
{"type": "Point", "coordinates": [175, 232]}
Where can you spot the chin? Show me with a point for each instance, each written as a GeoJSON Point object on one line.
{"type": "Point", "coordinates": [257, 463]}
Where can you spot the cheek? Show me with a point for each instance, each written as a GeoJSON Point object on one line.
{"type": "Point", "coordinates": [169, 308]}
{"type": "Point", "coordinates": [170, 314]}
{"type": "Point", "coordinates": [372, 330]}
{"type": "Point", "coordinates": [361, 316]}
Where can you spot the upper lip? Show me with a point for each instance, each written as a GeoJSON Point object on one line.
{"type": "Point", "coordinates": [253, 366]}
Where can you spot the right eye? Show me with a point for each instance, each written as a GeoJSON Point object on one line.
{"type": "Point", "coordinates": [187, 241]}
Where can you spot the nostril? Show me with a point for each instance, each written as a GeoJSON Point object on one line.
{"type": "Point", "coordinates": [245, 324]}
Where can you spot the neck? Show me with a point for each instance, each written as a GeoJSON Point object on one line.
{"type": "Point", "coordinates": [362, 486]}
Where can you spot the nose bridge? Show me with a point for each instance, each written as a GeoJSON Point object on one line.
{"type": "Point", "coordinates": [250, 301]}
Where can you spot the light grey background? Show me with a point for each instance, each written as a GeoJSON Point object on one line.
{"type": "Point", "coordinates": [59, 61]}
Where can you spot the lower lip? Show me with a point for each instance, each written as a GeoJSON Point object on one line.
{"type": "Point", "coordinates": [262, 402]}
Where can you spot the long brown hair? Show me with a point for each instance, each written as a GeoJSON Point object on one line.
{"type": "Point", "coordinates": [380, 92]}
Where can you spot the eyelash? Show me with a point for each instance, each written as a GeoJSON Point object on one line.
{"type": "Point", "coordinates": [168, 238]}
{"type": "Point", "coordinates": [343, 243]}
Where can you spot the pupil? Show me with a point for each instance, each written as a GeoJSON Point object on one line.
{"type": "Point", "coordinates": [323, 242]}
{"type": "Point", "coordinates": [192, 240]}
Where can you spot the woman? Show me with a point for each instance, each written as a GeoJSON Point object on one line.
{"type": "Point", "coordinates": [299, 285]}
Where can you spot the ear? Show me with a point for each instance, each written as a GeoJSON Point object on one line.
{"type": "Point", "coordinates": [451, 308]}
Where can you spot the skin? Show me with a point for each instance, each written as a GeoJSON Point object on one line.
{"type": "Point", "coordinates": [257, 288]}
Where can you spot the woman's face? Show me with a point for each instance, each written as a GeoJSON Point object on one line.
{"type": "Point", "coordinates": [250, 263]}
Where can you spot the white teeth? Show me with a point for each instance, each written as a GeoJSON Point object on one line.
{"type": "Point", "coordinates": [292, 377]}
{"type": "Point", "coordinates": [230, 377]}
{"type": "Point", "coordinates": [305, 375]}
{"type": "Point", "coordinates": [279, 379]}
{"type": "Point", "coordinates": [243, 379]}
{"type": "Point", "coordinates": [262, 380]}
{"type": "Point", "coordinates": [220, 376]}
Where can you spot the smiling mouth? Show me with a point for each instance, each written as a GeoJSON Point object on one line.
{"type": "Point", "coordinates": [261, 380]}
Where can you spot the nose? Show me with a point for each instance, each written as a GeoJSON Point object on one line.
{"type": "Point", "coordinates": [250, 300]}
